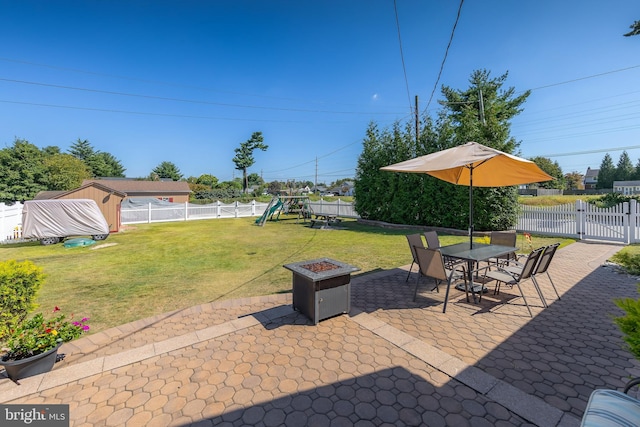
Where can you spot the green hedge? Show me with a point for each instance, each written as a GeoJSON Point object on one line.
{"type": "Point", "coordinates": [19, 285]}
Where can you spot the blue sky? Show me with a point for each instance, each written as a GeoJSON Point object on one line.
{"type": "Point", "coordinates": [188, 81]}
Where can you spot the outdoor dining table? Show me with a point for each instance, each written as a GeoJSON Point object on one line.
{"type": "Point", "coordinates": [473, 256]}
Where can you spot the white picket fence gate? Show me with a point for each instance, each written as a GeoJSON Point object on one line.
{"type": "Point", "coordinates": [584, 221]}
{"type": "Point", "coordinates": [579, 220]}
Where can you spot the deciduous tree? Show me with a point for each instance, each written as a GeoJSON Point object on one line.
{"type": "Point", "coordinates": [22, 172]}
{"type": "Point", "coordinates": [552, 168]}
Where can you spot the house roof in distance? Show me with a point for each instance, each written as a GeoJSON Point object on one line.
{"type": "Point", "coordinates": [134, 186]}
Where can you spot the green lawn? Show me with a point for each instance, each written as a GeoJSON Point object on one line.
{"type": "Point", "coordinates": [155, 268]}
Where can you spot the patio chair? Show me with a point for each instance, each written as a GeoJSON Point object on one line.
{"type": "Point", "coordinates": [503, 238]}
{"type": "Point", "coordinates": [431, 264]}
{"type": "Point", "coordinates": [433, 242]}
{"type": "Point", "coordinates": [515, 275]}
{"type": "Point", "coordinates": [543, 264]}
{"type": "Point", "coordinates": [414, 240]}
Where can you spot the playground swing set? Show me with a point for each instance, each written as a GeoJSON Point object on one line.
{"type": "Point", "coordinates": [288, 205]}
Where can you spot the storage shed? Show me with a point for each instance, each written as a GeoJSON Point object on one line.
{"type": "Point", "coordinates": [108, 199]}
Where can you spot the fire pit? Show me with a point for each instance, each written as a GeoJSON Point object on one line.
{"type": "Point", "coordinates": [321, 287]}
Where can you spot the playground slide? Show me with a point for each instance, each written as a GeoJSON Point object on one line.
{"type": "Point", "coordinates": [269, 212]}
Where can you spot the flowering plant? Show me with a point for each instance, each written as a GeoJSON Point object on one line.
{"type": "Point", "coordinates": [38, 335]}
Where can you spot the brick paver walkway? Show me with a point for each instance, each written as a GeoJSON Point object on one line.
{"type": "Point", "coordinates": [392, 361]}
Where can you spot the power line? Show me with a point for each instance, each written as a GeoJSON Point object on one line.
{"type": "Point", "coordinates": [446, 52]}
{"type": "Point", "coordinates": [586, 77]}
{"type": "Point", "coordinates": [169, 84]}
{"type": "Point", "coordinates": [182, 100]}
{"type": "Point", "coordinates": [404, 68]}
{"type": "Point", "coordinates": [599, 150]}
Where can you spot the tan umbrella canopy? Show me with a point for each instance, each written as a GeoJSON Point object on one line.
{"type": "Point", "coordinates": [474, 165]}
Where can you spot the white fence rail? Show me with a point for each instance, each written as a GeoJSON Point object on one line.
{"type": "Point", "coordinates": [189, 211]}
{"type": "Point", "coordinates": [580, 220]}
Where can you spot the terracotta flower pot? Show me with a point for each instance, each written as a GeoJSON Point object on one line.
{"type": "Point", "coordinates": [34, 365]}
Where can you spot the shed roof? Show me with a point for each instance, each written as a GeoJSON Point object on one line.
{"type": "Point", "coordinates": [130, 186]}
{"type": "Point", "coordinates": [44, 195]}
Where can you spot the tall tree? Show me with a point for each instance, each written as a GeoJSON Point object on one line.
{"type": "Point", "coordinates": [244, 155]}
{"type": "Point", "coordinates": [65, 172]}
{"type": "Point", "coordinates": [574, 180]}
{"type": "Point", "coordinates": [483, 113]}
{"type": "Point", "coordinates": [101, 164]}
{"type": "Point", "coordinates": [166, 170]}
{"type": "Point", "coordinates": [106, 165]}
{"type": "Point", "coordinates": [606, 173]}
{"type": "Point", "coordinates": [22, 172]}
{"type": "Point", "coordinates": [635, 29]}
{"type": "Point", "coordinates": [553, 169]}
{"type": "Point", "coordinates": [624, 169]}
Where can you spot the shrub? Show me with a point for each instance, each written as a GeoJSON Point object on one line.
{"type": "Point", "coordinates": [19, 285]}
{"type": "Point", "coordinates": [629, 324]}
{"type": "Point", "coordinates": [630, 262]}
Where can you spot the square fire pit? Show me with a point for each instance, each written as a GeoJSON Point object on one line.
{"type": "Point", "coordinates": [321, 287]}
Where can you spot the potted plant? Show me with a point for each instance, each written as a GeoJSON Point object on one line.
{"type": "Point", "coordinates": [31, 348]}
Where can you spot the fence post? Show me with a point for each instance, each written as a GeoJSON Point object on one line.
{"type": "Point", "coordinates": [186, 211]}
{"type": "Point", "coordinates": [581, 219]}
{"type": "Point", "coordinates": [253, 207]}
{"type": "Point", "coordinates": [633, 220]}
{"type": "Point", "coordinates": [338, 209]}
{"type": "Point", "coordinates": [218, 209]}
{"type": "Point", "coordinates": [149, 214]}
{"type": "Point", "coordinates": [625, 222]}
{"type": "Point", "coordinates": [235, 212]}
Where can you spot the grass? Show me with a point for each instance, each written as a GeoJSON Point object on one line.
{"type": "Point", "coordinates": [155, 268]}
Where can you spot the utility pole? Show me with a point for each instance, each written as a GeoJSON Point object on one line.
{"type": "Point", "coordinates": [481, 108]}
{"type": "Point", "coordinates": [417, 121]}
{"type": "Point", "coordinates": [315, 182]}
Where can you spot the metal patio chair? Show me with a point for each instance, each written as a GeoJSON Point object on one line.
{"type": "Point", "coordinates": [514, 275]}
{"type": "Point", "coordinates": [431, 264]}
{"type": "Point", "coordinates": [413, 240]}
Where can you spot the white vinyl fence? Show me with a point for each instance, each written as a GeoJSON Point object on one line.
{"type": "Point", "coordinates": [578, 220]}
{"type": "Point", "coordinates": [584, 221]}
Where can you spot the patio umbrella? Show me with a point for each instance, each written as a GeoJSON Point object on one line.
{"type": "Point", "coordinates": [474, 165]}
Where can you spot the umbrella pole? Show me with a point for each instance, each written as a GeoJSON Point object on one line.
{"type": "Point", "coordinates": [471, 207]}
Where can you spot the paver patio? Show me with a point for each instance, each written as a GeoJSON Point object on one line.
{"type": "Point", "coordinates": [392, 361]}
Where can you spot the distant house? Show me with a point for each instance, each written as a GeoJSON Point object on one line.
{"type": "Point", "coordinates": [626, 187]}
{"type": "Point", "coordinates": [591, 179]}
{"type": "Point", "coordinates": [170, 191]}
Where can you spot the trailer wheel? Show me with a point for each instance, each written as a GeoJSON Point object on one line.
{"type": "Point", "coordinates": [50, 240]}
{"type": "Point", "coordinates": [99, 236]}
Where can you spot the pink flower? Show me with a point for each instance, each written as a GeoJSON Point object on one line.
{"type": "Point", "coordinates": [56, 308]}
{"type": "Point", "coordinates": [76, 324]}
{"type": "Point", "coordinates": [85, 327]}
{"type": "Point", "coordinates": [85, 319]}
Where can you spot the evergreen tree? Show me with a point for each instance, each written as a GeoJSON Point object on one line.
{"type": "Point", "coordinates": [100, 164]}
{"type": "Point", "coordinates": [166, 170]}
{"type": "Point", "coordinates": [244, 155]}
{"type": "Point", "coordinates": [624, 169]}
{"type": "Point", "coordinates": [606, 173]}
{"type": "Point", "coordinates": [422, 199]}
